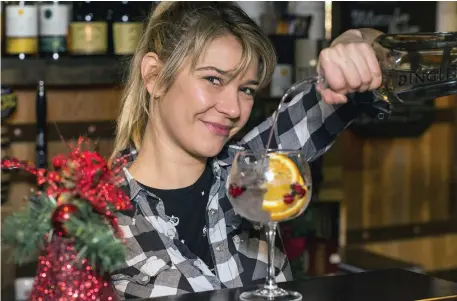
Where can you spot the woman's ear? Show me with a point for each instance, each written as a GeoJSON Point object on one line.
{"type": "Point", "coordinates": [150, 70]}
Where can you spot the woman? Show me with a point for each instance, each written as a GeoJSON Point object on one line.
{"type": "Point", "coordinates": [191, 88]}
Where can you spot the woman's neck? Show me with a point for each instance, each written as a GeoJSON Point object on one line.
{"type": "Point", "coordinates": [162, 164]}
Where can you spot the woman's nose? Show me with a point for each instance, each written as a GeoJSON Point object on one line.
{"type": "Point", "coordinates": [229, 105]}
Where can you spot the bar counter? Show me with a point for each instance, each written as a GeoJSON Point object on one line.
{"type": "Point", "coordinates": [381, 285]}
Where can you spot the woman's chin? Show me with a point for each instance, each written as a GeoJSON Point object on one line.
{"type": "Point", "coordinates": [210, 149]}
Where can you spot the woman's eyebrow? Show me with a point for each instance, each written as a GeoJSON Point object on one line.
{"type": "Point", "coordinates": [252, 82]}
{"type": "Point", "coordinates": [226, 73]}
{"type": "Point", "coordinates": [222, 72]}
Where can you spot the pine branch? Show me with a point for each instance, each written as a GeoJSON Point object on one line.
{"type": "Point", "coordinates": [25, 230]}
{"type": "Point", "coordinates": [94, 239]}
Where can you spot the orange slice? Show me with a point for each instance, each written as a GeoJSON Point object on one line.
{"type": "Point", "coordinates": [283, 172]}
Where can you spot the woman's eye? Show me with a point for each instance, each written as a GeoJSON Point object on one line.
{"type": "Point", "coordinates": [248, 91]}
{"type": "Point", "coordinates": [214, 80]}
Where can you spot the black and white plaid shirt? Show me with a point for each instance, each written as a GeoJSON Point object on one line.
{"type": "Point", "coordinates": [158, 263]}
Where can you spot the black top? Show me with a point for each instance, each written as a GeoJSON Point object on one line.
{"type": "Point", "coordinates": [381, 285]}
{"type": "Point", "coordinates": [187, 209]}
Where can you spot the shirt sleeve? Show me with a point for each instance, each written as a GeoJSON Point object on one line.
{"type": "Point", "coordinates": [305, 123]}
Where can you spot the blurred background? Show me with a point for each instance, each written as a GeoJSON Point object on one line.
{"type": "Point", "coordinates": [386, 191]}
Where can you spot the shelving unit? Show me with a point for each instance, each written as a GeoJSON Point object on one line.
{"type": "Point", "coordinates": [64, 72]}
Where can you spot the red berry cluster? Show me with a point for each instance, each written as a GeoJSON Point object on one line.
{"type": "Point", "coordinates": [235, 190]}
{"type": "Point", "coordinates": [289, 198]}
{"type": "Point", "coordinates": [297, 189]}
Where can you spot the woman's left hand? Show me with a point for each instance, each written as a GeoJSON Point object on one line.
{"type": "Point", "coordinates": [349, 65]}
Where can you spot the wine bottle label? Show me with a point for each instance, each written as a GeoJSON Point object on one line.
{"type": "Point", "coordinates": [21, 45]}
{"type": "Point", "coordinates": [21, 21]}
{"type": "Point", "coordinates": [21, 29]}
{"type": "Point", "coordinates": [88, 37]}
{"type": "Point", "coordinates": [54, 20]}
{"type": "Point", "coordinates": [53, 44]}
{"type": "Point", "coordinates": [126, 37]}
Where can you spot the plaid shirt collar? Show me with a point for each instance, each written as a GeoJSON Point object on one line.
{"type": "Point", "coordinates": [126, 157]}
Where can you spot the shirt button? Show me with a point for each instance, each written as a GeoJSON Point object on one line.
{"type": "Point", "coordinates": [170, 233]}
{"type": "Point", "coordinates": [236, 239]}
{"type": "Point", "coordinates": [219, 248]}
{"type": "Point", "coordinates": [145, 278]}
{"type": "Point", "coordinates": [197, 263]}
{"type": "Point", "coordinates": [212, 212]}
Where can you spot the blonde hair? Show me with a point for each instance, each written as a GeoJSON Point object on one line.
{"type": "Point", "coordinates": [175, 31]}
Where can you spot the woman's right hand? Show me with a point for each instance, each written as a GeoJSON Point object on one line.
{"type": "Point", "coordinates": [349, 65]}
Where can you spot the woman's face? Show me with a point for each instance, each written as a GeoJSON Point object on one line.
{"type": "Point", "coordinates": [203, 108]}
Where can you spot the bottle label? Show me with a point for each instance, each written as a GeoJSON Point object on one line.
{"type": "Point", "coordinates": [430, 76]}
{"type": "Point", "coordinates": [54, 19]}
{"type": "Point", "coordinates": [53, 44]}
{"type": "Point", "coordinates": [21, 21]}
{"type": "Point", "coordinates": [21, 45]}
{"type": "Point", "coordinates": [89, 37]}
{"type": "Point", "coordinates": [126, 37]}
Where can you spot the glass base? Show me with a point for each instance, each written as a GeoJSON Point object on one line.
{"type": "Point", "coordinates": [277, 294]}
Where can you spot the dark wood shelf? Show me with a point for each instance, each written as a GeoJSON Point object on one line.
{"type": "Point", "coordinates": [67, 71]}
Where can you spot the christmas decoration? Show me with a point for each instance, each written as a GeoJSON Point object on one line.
{"type": "Point", "coordinates": [70, 226]}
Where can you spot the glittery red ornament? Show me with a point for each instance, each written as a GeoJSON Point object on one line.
{"type": "Point", "coordinates": [62, 274]}
{"type": "Point", "coordinates": [82, 173]}
{"type": "Point", "coordinates": [59, 277]}
{"type": "Point", "coordinates": [61, 214]}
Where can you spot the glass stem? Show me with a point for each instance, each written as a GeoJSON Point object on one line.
{"type": "Point", "coordinates": [271, 236]}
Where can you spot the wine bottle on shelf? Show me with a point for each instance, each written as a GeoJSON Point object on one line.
{"type": "Point", "coordinates": [54, 21]}
{"type": "Point", "coordinates": [41, 123]}
{"type": "Point", "coordinates": [21, 28]}
{"type": "Point", "coordinates": [127, 28]}
{"type": "Point", "coordinates": [88, 29]}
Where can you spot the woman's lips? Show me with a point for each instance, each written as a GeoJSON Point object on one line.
{"type": "Point", "coordinates": [217, 128]}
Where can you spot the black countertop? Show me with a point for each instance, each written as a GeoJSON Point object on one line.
{"type": "Point", "coordinates": [382, 285]}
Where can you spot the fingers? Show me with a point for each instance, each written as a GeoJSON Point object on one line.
{"type": "Point", "coordinates": [349, 68]}
{"type": "Point", "coordinates": [373, 65]}
{"type": "Point", "coordinates": [352, 75]}
{"type": "Point", "coordinates": [332, 97]}
{"type": "Point", "coordinates": [335, 78]}
{"type": "Point", "coordinates": [363, 70]}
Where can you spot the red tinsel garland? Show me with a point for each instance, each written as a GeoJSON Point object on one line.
{"type": "Point", "coordinates": [59, 278]}
{"type": "Point", "coordinates": [83, 174]}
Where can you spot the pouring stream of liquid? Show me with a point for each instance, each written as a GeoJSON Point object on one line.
{"type": "Point", "coordinates": [305, 86]}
